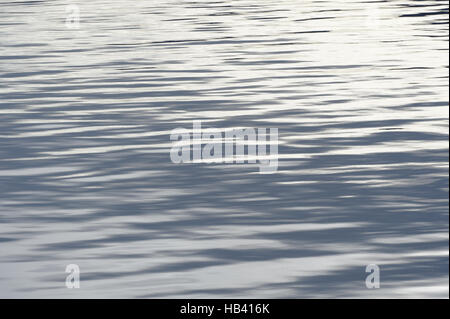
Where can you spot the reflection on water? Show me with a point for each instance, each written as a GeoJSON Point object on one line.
{"type": "Point", "coordinates": [358, 91]}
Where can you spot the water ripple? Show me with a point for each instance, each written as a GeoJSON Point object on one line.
{"type": "Point", "coordinates": [358, 91]}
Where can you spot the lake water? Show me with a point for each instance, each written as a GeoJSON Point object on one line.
{"type": "Point", "coordinates": [358, 91]}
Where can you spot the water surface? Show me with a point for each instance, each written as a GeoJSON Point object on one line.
{"type": "Point", "coordinates": [358, 91]}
